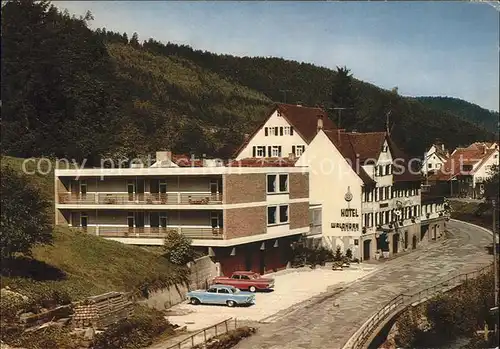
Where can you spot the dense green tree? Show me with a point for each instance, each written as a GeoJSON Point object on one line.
{"type": "Point", "coordinates": [492, 185]}
{"type": "Point", "coordinates": [344, 98]}
{"type": "Point", "coordinates": [56, 83]}
{"type": "Point", "coordinates": [178, 248]}
{"type": "Point", "coordinates": [24, 221]}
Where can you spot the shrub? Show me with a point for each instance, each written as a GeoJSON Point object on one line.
{"type": "Point", "coordinates": [178, 248]}
{"type": "Point", "coordinates": [136, 332]}
{"type": "Point", "coordinates": [24, 221]}
{"type": "Point", "coordinates": [348, 254]}
{"type": "Point", "coordinates": [313, 256]}
{"type": "Point", "coordinates": [338, 255]}
{"type": "Point", "coordinates": [229, 339]}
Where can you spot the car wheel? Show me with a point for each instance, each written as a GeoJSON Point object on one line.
{"type": "Point", "coordinates": [252, 289]}
{"type": "Point", "coordinates": [195, 301]}
{"type": "Point", "coordinates": [231, 303]}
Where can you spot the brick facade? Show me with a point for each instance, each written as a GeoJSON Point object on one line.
{"type": "Point", "coordinates": [299, 215]}
{"type": "Point", "coordinates": [241, 222]}
{"type": "Point", "coordinates": [299, 185]}
{"type": "Point", "coordinates": [242, 188]}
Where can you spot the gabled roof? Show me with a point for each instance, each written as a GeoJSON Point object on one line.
{"type": "Point", "coordinates": [342, 141]}
{"type": "Point", "coordinates": [473, 155]}
{"type": "Point", "coordinates": [360, 148]}
{"type": "Point", "coordinates": [304, 121]}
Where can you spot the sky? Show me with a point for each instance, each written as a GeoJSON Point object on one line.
{"type": "Point", "coordinates": [423, 48]}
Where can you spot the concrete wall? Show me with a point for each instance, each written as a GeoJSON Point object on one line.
{"type": "Point", "coordinates": [260, 139]}
{"type": "Point", "coordinates": [202, 271]}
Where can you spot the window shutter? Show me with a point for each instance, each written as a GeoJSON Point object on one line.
{"type": "Point", "coordinates": [293, 149]}
{"type": "Point", "coordinates": [264, 151]}
{"type": "Point", "coordinates": [291, 130]}
{"type": "Point", "coordinates": [276, 131]}
{"type": "Point", "coordinates": [254, 151]}
{"type": "Point", "coordinates": [265, 131]}
{"type": "Point", "coordinates": [281, 131]}
{"type": "Point", "coordinates": [279, 150]}
{"type": "Point", "coordinates": [270, 153]}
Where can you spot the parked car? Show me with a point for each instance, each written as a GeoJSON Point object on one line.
{"type": "Point", "coordinates": [246, 280]}
{"type": "Point", "coordinates": [221, 294]}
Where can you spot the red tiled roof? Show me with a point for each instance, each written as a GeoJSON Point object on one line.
{"type": "Point", "coordinates": [410, 172]}
{"type": "Point", "coordinates": [462, 156]}
{"type": "Point", "coordinates": [342, 141]}
{"type": "Point", "coordinates": [304, 121]}
{"type": "Point", "coordinates": [365, 148]}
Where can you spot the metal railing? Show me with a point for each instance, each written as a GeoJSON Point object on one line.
{"type": "Point", "coordinates": [141, 199]}
{"type": "Point", "coordinates": [404, 300]}
{"type": "Point", "coordinates": [207, 333]}
{"type": "Point", "coordinates": [154, 232]}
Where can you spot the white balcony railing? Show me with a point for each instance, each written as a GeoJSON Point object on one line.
{"type": "Point", "coordinates": [153, 232]}
{"type": "Point", "coordinates": [178, 198]}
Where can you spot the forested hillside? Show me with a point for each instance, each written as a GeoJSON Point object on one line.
{"type": "Point", "coordinates": [468, 111]}
{"type": "Point", "coordinates": [72, 92]}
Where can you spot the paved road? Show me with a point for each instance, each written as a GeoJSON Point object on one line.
{"type": "Point", "coordinates": [333, 319]}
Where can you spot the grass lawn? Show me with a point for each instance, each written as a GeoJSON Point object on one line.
{"type": "Point", "coordinates": [78, 264]}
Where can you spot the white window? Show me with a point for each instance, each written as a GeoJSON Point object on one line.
{"type": "Point", "coordinates": [298, 149]}
{"type": "Point", "coordinates": [277, 214]}
{"type": "Point", "coordinates": [261, 151]}
{"type": "Point", "coordinates": [271, 215]}
{"type": "Point", "coordinates": [277, 183]}
{"type": "Point", "coordinates": [286, 130]}
{"type": "Point", "coordinates": [276, 151]}
{"type": "Point", "coordinates": [273, 131]}
{"type": "Point", "coordinates": [84, 220]}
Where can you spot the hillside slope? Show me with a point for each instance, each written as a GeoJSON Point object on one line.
{"type": "Point", "coordinates": [414, 125]}
{"type": "Point", "coordinates": [77, 265]}
{"type": "Point", "coordinates": [487, 119]}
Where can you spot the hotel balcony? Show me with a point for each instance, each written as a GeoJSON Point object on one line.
{"type": "Point", "coordinates": [153, 232]}
{"type": "Point", "coordinates": [171, 198]}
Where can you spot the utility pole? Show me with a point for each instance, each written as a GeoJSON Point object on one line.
{"type": "Point", "coordinates": [495, 261]}
{"type": "Point", "coordinates": [340, 113]}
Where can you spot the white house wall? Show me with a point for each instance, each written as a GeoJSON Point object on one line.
{"type": "Point", "coordinates": [483, 172]}
{"type": "Point", "coordinates": [286, 141]}
{"type": "Point", "coordinates": [330, 178]}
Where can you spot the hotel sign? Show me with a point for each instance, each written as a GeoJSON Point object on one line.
{"type": "Point", "coordinates": [347, 212]}
{"type": "Point", "coordinates": [346, 226]}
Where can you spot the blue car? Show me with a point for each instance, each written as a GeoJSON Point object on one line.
{"type": "Point", "coordinates": [221, 294]}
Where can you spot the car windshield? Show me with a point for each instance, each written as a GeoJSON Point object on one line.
{"type": "Point", "coordinates": [234, 290]}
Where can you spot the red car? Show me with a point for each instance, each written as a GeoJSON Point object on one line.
{"type": "Point", "coordinates": [245, 280]}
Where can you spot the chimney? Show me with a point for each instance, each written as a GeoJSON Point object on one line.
{"type": "Point", "coordinates": [319, 123]}
{"type": "Point", "coordinates": [163, 155]}
{"type": "Point", "coordinates": [442, 146]}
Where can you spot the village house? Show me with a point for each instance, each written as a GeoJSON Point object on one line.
{"type": "Point", "coordinates": [370, 201]}
{"type": "Point", "coordinates": [287, 129]}
{"type": "Point", "coordinates": [464, 173]}
{"type": "Point", "coordinates": [434, 158]}
{"type": "Point", "coordinates": [245, 214]}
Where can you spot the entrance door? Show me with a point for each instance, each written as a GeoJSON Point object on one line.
{"type": "Point", "coordinates": [395, 243]}
{"type": "Point", "coordinates": [139, 219]}
{"type": "Point", "coordinates": [130, 190]}
{"type": "Point", "coordinates": [154, 219]}
{"type": "Point", "coordinates": [367, 244]}
{"type": "Point", "coordinates": [414, 242]}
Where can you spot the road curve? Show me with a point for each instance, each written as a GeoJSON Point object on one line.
{"type": "Point", "coordinates": [329, 323]}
